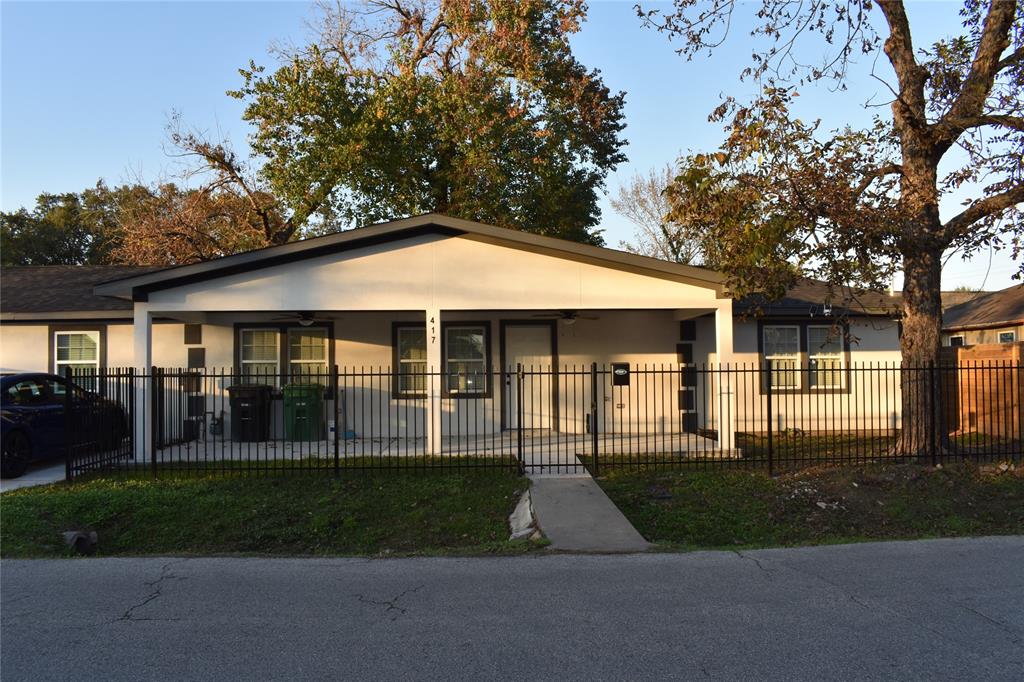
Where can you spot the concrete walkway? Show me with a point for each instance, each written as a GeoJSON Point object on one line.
{"type": "Point", "coordinates": [42, 473]}
{"type": "Point", "coordinates": [576, 516]}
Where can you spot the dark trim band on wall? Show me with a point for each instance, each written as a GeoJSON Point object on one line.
{"type": "Point", "coordinates": [51, 340]}
{"type": "Point", "coordinates": [506, 372]}
{"type": "Point", "coordinates": [803, 359]}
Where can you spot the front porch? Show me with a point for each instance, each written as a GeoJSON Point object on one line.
{"type": "Point", "coordinates": [566, 383]}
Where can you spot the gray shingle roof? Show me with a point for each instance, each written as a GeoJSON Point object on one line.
{"type": "Point", "coordinates": [987, 309]}
{"type": "Point", "coordinates": [810, 296]}
{"type": "Point", "coordinates": [62, 288]}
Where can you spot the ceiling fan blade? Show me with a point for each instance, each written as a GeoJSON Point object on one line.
{"type": "Point", "coordinates": [549, 316]}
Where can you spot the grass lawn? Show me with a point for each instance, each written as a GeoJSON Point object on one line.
{"type": "Point", "coordinates": [302, 514]}
{"type": "Point", "coordinates": [732, 508]}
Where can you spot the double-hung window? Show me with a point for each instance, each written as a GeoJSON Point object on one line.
{"type": "Point", "coordinates": [782, 355]}
{"type": "Point", "coordinates": [307, 355]}
{"type": "Point", "coordinates": [78, 351]}
{"type": "Point", "coordinates": [825, 357]}
{"type": "Point", "coordinates": [259, 355]}
{"type": "Point", "coordinates": [302, 352]}
{"type": "Point", "coordinates": [411, 360]}
{"type": "Point", "coordinates": [465, 359]}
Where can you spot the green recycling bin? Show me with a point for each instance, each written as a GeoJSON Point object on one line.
{"type": "Point", "coordinates": [303, 412]}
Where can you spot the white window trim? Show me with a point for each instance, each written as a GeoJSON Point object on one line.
{"type": "Point", "coordinates": [484, 331]}
{"type": "Point", "coordinates": [327, 354]}
{"type": "Point", "coordinates": [794, 357]}
{"type": "Point", "coordinates": [1011, 332]}
{"type": "Point", "coordinates": [58, 363]}
{"type": "Point", "coordinates": [957, 336]}
{"type": "Point", "coordinates": [277, 352]}
{"type": "Point", "coordinates": [813, 355]}
{"type": "Point", "coordinates": [409, 361]}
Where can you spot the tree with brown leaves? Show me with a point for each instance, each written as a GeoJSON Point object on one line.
{"type": "Point", "coordinates": [853, 207]}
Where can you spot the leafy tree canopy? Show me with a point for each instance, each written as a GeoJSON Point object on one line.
{"type": "Point", "coordinates": [473, 108]}
{"type": "Point", "coordinates": [66, 229]}
{"type": "Point", "coordinates": [853, 206]}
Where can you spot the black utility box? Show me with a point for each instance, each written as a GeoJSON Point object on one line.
{"type": "Point", "coordinates": [250, 412]}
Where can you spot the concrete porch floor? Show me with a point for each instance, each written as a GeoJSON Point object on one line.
{"type": "Point", "coordinates": [541, 451]}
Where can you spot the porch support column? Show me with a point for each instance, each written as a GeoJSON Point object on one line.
{"type": "Point", "coordinates": [434, 388]}
{"type": "Point", "coordinates": [142, 345]}
{"type": "Point", "coordinates": [726, 393]}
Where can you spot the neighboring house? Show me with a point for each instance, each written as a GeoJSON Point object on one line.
{"type": "Point", "coordinates": [986, 317]}
{"type": "Point", "coordinates": [471, 299]}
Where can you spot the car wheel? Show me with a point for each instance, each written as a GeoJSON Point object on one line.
{"type": "Point", "coordinates": [16, 453]}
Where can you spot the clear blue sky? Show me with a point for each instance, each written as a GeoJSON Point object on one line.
{"type": "Point", "coordinates": [86, 90]}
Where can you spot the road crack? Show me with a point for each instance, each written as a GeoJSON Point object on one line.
{"type": "Point", "coordinates": [391, 606]}
{"type": "Point", "coordinates": [157, 586]}
{"type": "Point", "coordinates": [756, 561]}
{"type": "Point", "coordinates": [999, 624]}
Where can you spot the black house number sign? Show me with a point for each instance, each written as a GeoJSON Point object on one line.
{"type": "Point", "coordinates": [620, 374]}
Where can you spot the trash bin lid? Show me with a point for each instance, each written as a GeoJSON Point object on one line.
{"type": "Point", "coordinates": [302, 389]}
{"type": "Point", "coordinates": [249, 389]}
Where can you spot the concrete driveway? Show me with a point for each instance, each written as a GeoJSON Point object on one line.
{"type": "Point", "coordinates": [38, 474]}
{"type": "Point", "coordinates": [936, 610]}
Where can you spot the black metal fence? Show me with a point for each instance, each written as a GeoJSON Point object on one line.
{"type": "Point", "coordinates": [552, 420]}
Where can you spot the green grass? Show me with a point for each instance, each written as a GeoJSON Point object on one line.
{"type": "Point", "coordinates": [361, 513]}
{"type": "Point", "coordinates": [733, 508]}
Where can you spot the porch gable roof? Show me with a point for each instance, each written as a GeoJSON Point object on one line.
{"type": "Point", "coordinates": [138, 287]}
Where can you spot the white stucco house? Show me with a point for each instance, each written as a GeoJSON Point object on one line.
{"type": "Point", "coordinates": [472, 302]}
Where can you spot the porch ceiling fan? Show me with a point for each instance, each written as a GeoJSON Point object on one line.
{"type": "Point", "coordinates": [566, 316]}
{"type": "Point", "coordinates": [303, 317]}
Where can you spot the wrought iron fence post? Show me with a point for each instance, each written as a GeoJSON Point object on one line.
{"type": "Point", "coordinates": [519, 418]}
{"type": "Point", "coordinates": [771, 421]}
{"type": "Point", "coordinates": [593, 414]}
{"type": "Point", "coordinates": [932, 406]}
{"type": "Point", "coordinates": [154, 385]}
{"type": "Point", "coordinates": [69, 428]}
{"type": "Point", "coordinates": [337, 398]}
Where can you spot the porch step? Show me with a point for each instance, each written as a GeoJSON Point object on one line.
{"type": "Point", "coordinates": [576, 516]}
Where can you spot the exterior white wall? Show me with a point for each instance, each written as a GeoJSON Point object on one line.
{"type": "Point", "coordinates": [433, 272]}
{"type": "Point", "coordinates": [27, 347]}
{"type": "Point", "coordinates": [24, 347]}
{"type": "Point", "coordinates": [871, 401]}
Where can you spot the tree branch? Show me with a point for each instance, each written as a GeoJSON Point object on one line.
{"type": "Point", "coordinates": [970, 103]}
{"type": "Point", "coordinates": [1014, 58]}
{"type": "Point", "coordinates": [909, 109]}
{"type": "Point", "coordinates": [988, 206]}
{"type": "Point", "coordinates": [1014, 122]}
{"type": "Point", "coordinates": [873, 175]}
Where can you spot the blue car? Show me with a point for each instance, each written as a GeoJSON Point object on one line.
{"type": "Point", "coordinates": [34, 424]}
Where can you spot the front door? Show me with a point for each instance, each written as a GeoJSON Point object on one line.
{"type": "Point", "coordinates": [532, 346]}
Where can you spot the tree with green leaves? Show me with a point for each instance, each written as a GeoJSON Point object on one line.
{"type": "Point", "coordinates": [72, 228]}
{"type": "Point", "coordinates": [473, 108]}
{"type": "Point", "coordinates": [854, 206]}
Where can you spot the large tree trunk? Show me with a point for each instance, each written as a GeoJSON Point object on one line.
{"type": "Point", "coordinates": [923, 434]}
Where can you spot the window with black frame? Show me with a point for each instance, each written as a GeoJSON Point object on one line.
{"type": "Point", "coordinates": [465, 359]}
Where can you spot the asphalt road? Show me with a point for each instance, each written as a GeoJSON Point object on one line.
{"type": "Point", "coordinates": [947, 609]}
